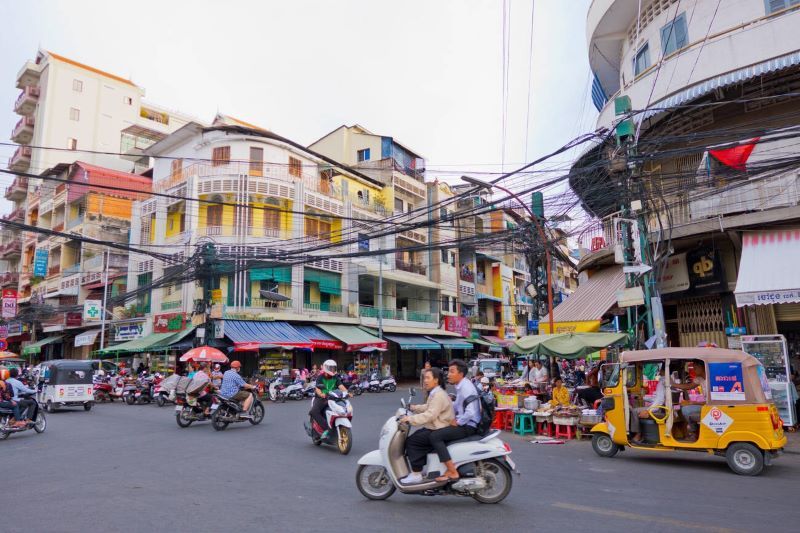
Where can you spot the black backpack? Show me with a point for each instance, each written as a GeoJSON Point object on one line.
{"type": "Point", "coordinates": [487, 410]}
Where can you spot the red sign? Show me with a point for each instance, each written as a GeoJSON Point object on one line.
{"type": "Point", "coordinates": [169, 323]}
{"type": "Point", "coordinates": [74, 319]}
{"type": "Point", "coordinates": [324, 344]}
{"type": "Point", "coordinates": [457, 324]}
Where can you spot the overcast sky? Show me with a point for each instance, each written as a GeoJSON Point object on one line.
{"type": "Point", "coordinates": [428, 73]}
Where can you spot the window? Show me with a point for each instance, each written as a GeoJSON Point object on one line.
{"type": "Point", "coordinates": [177, 167]}
{"type": "Point", "coordinates": [214, 215]}
{"type": "Point", "coordinates": [256, 161]}
{"type": "Point", "coordinates": [272, 221]}
{"type": "Point", "coordinates": [445, 303]}
{"type": "Point", "coordinates": [72, 144]}
{"type": "Point", "coordinates": [443, 214]}
{"type": "Point", "coordinates": [445, 256]}
{"type": "Point", "coordinates": [642, 60]}
{"type": "Point", "coordinates": [674, 35]}
{"type": "Point", "coordinates": [77, 86]}
{"type": "Point", "coordinates": [363, 197]}
{"type": "Point", "coordinates": [363, 155]}
{"type": "Point", "coordinates": [318, 228]}
{"type": "Point", "coordinates": [127, 100]}
{"type": "Point", "coordinates": [776, 5]}
{"type": "Point", "coordinates": [221, 155]}
{"type": "Point", "coordinates": [74, 114]}
{"type": "Point", "coordinates": [295, 167]}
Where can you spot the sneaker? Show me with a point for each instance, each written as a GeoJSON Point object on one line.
{"type": "Point", "coordinates": [413, 478]}
{"type": "Point", "coordinates": [325, 434]}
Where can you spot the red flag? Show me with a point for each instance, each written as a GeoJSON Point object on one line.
{"type": "Point", "coordinates": [735, 157]}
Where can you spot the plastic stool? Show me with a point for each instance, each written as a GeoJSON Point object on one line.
{"type": "Point", "coordinates": [523, 423]}
{"type": "Point", "coordinates": [544, 428]}
{"type": "Point", "coordinates": [565, 431]}
{"type": "Point", "coordinates": [508, 420]}
{"type": "Point", "coordinates": [499, 419]}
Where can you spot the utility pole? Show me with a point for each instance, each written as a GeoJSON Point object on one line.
{"type": "Point", "coordinates": [206, 272]}
{"type": "Point", "coordinates": [380, 309]}
{"type": "Point", "coordinates": [106, 261]}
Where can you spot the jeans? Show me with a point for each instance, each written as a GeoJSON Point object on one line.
{"type": "Point", "coordinates": [317, 412]}
{"type": "Point", "coordinates": [14, 409]}
{"type": "Point", "coordinates": [441, 437]}
{"type": "Point", "coordinates": [29, 408]}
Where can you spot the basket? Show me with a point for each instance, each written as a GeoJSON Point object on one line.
{"type": "Point", "coordinates": [590, 420]}
{"type": "Point", "coordinates": [565, 420]}
{"type": "Point", "coordinates": [542, 419]}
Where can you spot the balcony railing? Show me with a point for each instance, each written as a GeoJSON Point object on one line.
{"type": "Point", "coordinates": [320, 307]}
{"type": "Point", "coordinates": [167, 306]}
{"type": "Point", "coordinates": [210, 231]}
{"type": "Point", "coordinates": [411, 267]}
{"type": "Point", "coordinates": [9, 278]}
{"type": "Point", "coordinates": [17, 215]}
{"type": "Point", "coordinates": [368, 311]}
{"type": "Point", "coordinates": [53, 270]}
{"type": "Point", "coordinates": [72, 269]}
{"type": "Point", "coordinates": [26, 101]}
{"type": "Point", "coordinates": [23, 130]}
{"type": "Point", "coordinates": [73, 222]}
{"type": "Point", "coordinates": [600, 234]}
{"type": "Point", "coordinates": [10, 249]}
{"type": "Point", "coordinates": [21, 159]}
{"type": "Point", "coordinates": [266, 304]}
{"type": "Point", "coordinates": [18, 188]}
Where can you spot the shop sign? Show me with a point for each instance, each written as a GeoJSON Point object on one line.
{"type": "Point", "coordinates": [249, 316]}
{"type": "Point", "coordinates": [86, 339]}
{"type": "Point", "coordinates": [40, 259]}
{"type": "Point", "coordinates": [218, 329]}
{"type": "Point", "coordinates": [169, 322]}
{"type": "Point", "coordinates": [705, 271]}
{"type": "Point", "coordinates": [9, 303]}
{"type": "Point", "coordinates": [74, 320]}
{"type": "Point", "coordinates": [14, 328]}
{"type": "Point", "coordinates": [3, 345]}
{"type": "Point", "coordinates": [717, 421]}
{"type": "Point", "coordinates": [675, 275]}
{"type": "Point", "coordinates": [3, 332]}
{"type": "Point", "coordinates": [725, 381]}
{"type": "Point", "coordinates": [92, 310]}
{"type": "Point", "coordinates": [533, 325]}
{"type": "Point", "coordinates": [127, 332]}
{"type": "Point", "coordinates": [457, 324]}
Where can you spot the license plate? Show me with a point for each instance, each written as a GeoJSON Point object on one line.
{"type": "Point", "coordinates": [511, 463]}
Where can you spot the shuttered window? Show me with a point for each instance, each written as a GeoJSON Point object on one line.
{"type": "Point", "coordinates": [221, 155]}
{"type": "Point", "coordinates": [256, 161]}
{"type": "Point", "coordinates": [295, 167]}
{"type": "Point", "coordinates": [214, 215]}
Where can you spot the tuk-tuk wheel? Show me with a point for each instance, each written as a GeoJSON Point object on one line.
{"type": "Point", "coordinates": [87, 406]}
{"type": "Point", "coordinates": [604, 446]}
{"type": "Point", "coordinates": [50, 406]}
{"type": "Point", "coordinates": [745, 459]}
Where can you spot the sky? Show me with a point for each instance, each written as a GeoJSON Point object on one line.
{"type": "Point", "coordinates": [428, 73]}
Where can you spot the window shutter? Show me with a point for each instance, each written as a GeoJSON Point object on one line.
{"type": "Point", "coordinates": [681, 32]}
{"type": "Point", "coordinates": [774, 5]}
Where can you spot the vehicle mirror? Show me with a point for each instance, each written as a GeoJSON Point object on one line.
{"type": "Point", "coordinates": [403, 402]}
{"type": "Point", "coordinates": [412, 392]}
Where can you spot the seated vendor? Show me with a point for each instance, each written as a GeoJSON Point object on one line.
{"type": "Point", "coordinates": [560, 394]}
{"type": "Point", "coordinates": [691, 410]}
{"type": "Point", "coordinates": [659, 399]}
{"type": "Point", "coordinates": [539, 375]}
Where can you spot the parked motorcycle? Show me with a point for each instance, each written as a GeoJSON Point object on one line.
{"type": "Point", "coordinates": [165, 390]}
{"type": "Point", "coordinates": [38, 422]}
{"type": "Point", "coordinates": [230, 412]}
{"type": "Point", "coordinates": [389, 383]}
{"type": "Point", "coordinates": [374, 383]}
{"type": "Point", "coordinates": [102, 389]}
{"type": "Point", "coordinates": [277, 390]}
{"type": "Point", "coordinates": [310, 389]}
{"type": "Point", "coordinates": [339, 415]}
{"type": "Point", "coordinates": [295, 391]}
{"type": "Point", "coordinates": [137, 391]}
{"type": "Point", "coordinates": [188, 411]}
{"type": "Point", "coordinates": [484, 465]}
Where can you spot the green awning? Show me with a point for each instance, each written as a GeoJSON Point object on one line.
{"type": "Point", "coordinates": [329, 282]}
{"type": "Point", "coordinates": [354, 337]}
{"type": "Point", "coordinates": [566, 345]}
{"type": "Point", "coordinates": [276, 274]}
{"type": "Point", "coordinates": [36, 347]}
{"type": "Point", "coordinates": [492, 347]}
{"type": "Point", "coordinates": [452, 343]}
{"type": "Point", "coordinates": [414, 342]}
{"type": "Point", "coordinates": [143, 344]}
{"type": "Point", "coordinates": [175, 338]}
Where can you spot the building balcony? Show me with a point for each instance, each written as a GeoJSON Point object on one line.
{"type": "Point", "coordinates": [23, 131]}
{"type": "Point", "coordinates": [21, 160]}
{"type": "Point", "coordinates": [17, 215]}
{"type": "Point", "coordinates": [171, 306]}
{"type": "Point", "coordinates": [28, 75]}
{"type": "Point", "coordinates": [11, 249]}
{"type": "Point", "coordinates": [59, 226]}
{"type": "Point", "coordinates": [9, 279]}
{"type": "Point", "coordinates": [54, 270]}
{"type": "Point", "coordinates": [319, 307]}
{"type": "Point", "coordinates": [72, 269]}
{"type": "Point", "coordinates": [411, 267]}
{"type": "Point", "coordinates": [370, 312]}
{"type": "Point", "coordinates": [179, 238]}
{"type": "Point", "coordinates": [26, 101]}
{"type": "Point", "coordinates": [18, 189]}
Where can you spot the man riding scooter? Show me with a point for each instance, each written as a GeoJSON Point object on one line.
{"type": "Point", "coordinates": [327, 381]}
{"type": "Point", "coordinates": [235, 388]}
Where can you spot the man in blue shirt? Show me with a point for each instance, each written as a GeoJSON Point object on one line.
{"type": "Point", "coordinates": [468, 416]}
{"type": "Point", "coordinates": [235, 388]}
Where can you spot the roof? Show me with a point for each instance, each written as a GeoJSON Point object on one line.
{"type": "Point", "coordinates": [90, 69]}
{"type": "Point", "coordinates": [228, 120]}
{"type": "Point", "coordinates": [103, 177]}
{"type": "Point", "coordinates": [705, 354]}
{"type": "Point", "coordinates": [593, 299]}
{"type": "Point", "coordinates": [364, 131]}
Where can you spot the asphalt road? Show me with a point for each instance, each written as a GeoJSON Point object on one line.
{"type": "Point", "coordinates": [131, 468]}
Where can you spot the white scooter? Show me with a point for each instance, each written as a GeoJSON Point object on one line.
{"type": "Point", "coordinates": [484, 464]}
{"type": "Point", "coordinates": [339, 415]}
{"type": "Point", "coordinates": [389, 383]}
{"type": "Point", "coordinates": [295, 391]}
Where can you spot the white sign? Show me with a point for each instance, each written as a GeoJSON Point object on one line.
{"type": "Point", "coordinates": [717, 421]}
{"type": "Point", "coordinates": [126, 332]}
{"type": "Point", "coordinates": [675, 275]}
{"type": "Point", "coordinates": [9, 304]}
{"type": "Point", "coordinates": [637, 269]}
{"type": "Point", "coordinates": [92, 310]}
{"type": "Point", "coordinates": [87, 338]}
{"type": "Point", "coordinates": [630, 297]}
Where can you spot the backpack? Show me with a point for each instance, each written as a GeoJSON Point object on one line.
{"type": "Point", "coordinates": [487, 405]}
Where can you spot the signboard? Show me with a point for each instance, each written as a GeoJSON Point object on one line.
{"type": "Point", "coordinates": [630, 297]}
{"type": "Point", "coordinates": [3, 331]}
{"type": "Point", "coordinates": [74, 320]}
{"type": "Point", "coordinates": [92, 310]}
{"type": "Point", "coordinates": [9, 303]}
{"type": "Point", "coordinates": [3, 345]}
{"type": "Point", "coordinates": [705, 271]}
{"type": "Point", "coordinates": [40, 258]}
{"type": "Point", "coordinates": [216, 295]}
{"type": "Point", "coordinates": [717, 421]}
{"type": "Point", "coordinates": [14, 328]}
{"type": "Point", "coordinates": [169, 323]}
{"type": "Point", "coordinates": [87, 338]}
{"type": "Point", "coordinates": [127, 332]}
{"type": "Point", "coordinates": [725, 381]}
{"type": "Point", "coordinates": [675, 275]}
{"type": "Point", "coordinates": [457, 324]}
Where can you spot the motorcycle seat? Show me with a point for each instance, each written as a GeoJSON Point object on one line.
{"type": "Point", "coordinates": [471, 438]}
{"type": "Point", "coordinates": [4, 411]}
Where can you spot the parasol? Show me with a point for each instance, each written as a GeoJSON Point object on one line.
{"type": "Point", "coordinates": [204, 354]}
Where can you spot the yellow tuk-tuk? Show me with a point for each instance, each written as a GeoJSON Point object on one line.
{"type": "Point", "coordinates": [697, 399]}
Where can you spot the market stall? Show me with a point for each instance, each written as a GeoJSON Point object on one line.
{"type": "Point", "coordinates": [771, 351]}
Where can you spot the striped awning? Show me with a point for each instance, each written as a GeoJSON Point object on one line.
{"type": "Point", "coordinates": [768, 268]}
{"type": "Point", "coordinates": [248, 336]}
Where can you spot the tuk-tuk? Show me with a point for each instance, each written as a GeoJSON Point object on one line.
{"type": "Point", "coordinates": [725, 409]}
{"type": "Point", "coordinates": [65, 383]}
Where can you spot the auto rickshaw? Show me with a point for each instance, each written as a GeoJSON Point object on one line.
{"type": "Point", "coordinates": [66, 382]}
{"type": "Point", "coordinates": [736, 418]}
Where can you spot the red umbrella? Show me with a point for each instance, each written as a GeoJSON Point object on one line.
{"type": "Point", "coordinates": [204, 354]}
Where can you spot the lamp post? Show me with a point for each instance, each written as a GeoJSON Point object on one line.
{"type": "Point", "coordinates": [489, 186]}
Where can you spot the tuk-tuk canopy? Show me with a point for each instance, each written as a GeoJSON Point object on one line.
{"type": "Point", "coordinates": [566, 345]}
{"type": "Point", "coordinates": [68, 372]}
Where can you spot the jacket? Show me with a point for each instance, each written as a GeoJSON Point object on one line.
{"type": "Point", "coordinates": [436, 413]}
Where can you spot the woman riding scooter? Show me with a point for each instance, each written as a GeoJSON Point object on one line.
{"type": "Point", "coordinates": [327, 381]}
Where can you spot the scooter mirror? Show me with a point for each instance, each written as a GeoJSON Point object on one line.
{"type": "Point", "coordinates": [403, 402]}
{"type": "Point", "coordinates": [412, 392]}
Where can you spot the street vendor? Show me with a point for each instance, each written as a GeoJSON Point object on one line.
{"type": "Point", "coordinates": [560, 394]}
{"type": "Point", "coordinates": [539, 376]}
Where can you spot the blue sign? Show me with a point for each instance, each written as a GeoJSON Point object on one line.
{"type": "Point", "coordinates": [40, 262]}
{"type": "Point", "coordinates": [533, 325]}
{"type": "Point", "coordinates": [725, 381]}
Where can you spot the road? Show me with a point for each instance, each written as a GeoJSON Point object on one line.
{"type": "Point", "coordinates": [131, 468]}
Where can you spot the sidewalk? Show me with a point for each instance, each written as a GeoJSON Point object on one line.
{"type": "Point", "coordinates": [792, 442]}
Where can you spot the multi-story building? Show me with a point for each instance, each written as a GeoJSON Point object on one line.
{"type": "Point", "coordinates": [72, 270]}
{"type": "Point", "coordinates": [714, 90]}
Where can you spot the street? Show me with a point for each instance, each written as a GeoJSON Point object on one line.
{"type": "Point", "coordinates": [131, 468]}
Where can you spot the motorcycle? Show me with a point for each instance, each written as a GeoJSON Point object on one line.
{"type": "Point", "coordinates": [277, 390]}
{"type": "Point", "coordinates": [164, 390]}
{"type": "Point", "coordinates": [339, 415]}
{"type": "Point", "coordinates": [188, 411]}
{"type": "Point", "coordinates": [38, 423]}
{"type": "Point", "coordinates": [483, 462]}
{"type": "Point", "coordinates": [102, 388]}
{"type": "Point", "coordinates": [310, 389]}
{"type": "Point", "coordinates": [375, 383]}
{"type": "Point", "coordinates": [138, 391]}
{"type": "Point", "coordinates": [389, 383]}
{"type": "Point", "coordinates": [230, 412]}
{"type": "Point", "coordinates": [295, 391]}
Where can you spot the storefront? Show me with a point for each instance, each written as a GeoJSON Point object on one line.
{"type": "Point", "coordinates": [45, 349]}
{"type": "Point", "coordinates": [361, 349]}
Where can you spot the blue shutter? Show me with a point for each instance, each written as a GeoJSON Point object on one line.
{"type": "Point", "coordinates": [599, 97]}
{"type": "Point", "coordinates": [681, 32]}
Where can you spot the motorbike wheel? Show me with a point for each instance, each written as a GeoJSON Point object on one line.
{"type": "Point", "coordinates": [88, 406]}
{"type": "Point", "coordinates": [391, 388]}
{"type": "Point", "coordinates": [161, 401]}
{"type": "Point", "coordinates": [345, 440]}
{"type": "Point", "coordinates": [130, 399]}
{"type": "Point", "coordinates": [498, 480]}
{"type": "Point", "coordinates": [41, 422]}
{"type": "Point", "coordinates": [216, 420]}
{"type": "Point", "coordinates": [4, 434]}
{"type": "Point", "coordinates": [374, 482]}
{"type": "Point", "coordinates": [297, 396]}
{"type": "Point", "coordinates": [258, 414]}
{"type": "Point", "coordinates": [182, 420]}
{"type": "Point", "coordinates": [358, 391]}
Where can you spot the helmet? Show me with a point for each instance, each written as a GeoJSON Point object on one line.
{"type": "Point", "coordinates": [329, 367]}
{"type": "Point", "coordinates": [236, 365]}
{"type": "Point", "coordinates": [4, 373]}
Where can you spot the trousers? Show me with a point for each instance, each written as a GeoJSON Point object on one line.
{"type": "Point", "coordinates": [317, 412]}
{"type": "Point", "coordinates": [440, 437]}
{"type": "Point", "coordinates": [28, 408]}
{"type": "Point", "coordinates": [14, 409]}
{"type": "Point", "coordinates": [418, 444]}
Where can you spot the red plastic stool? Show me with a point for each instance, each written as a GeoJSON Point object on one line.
{"type": "Point", "coordinates": [544, 428]}
{"type": "Point", "coordinates": [499, 419]}
{"type": "Point", "coordinates": [508, 420]}
{"type": "Point", "coordinates": [565, 431]}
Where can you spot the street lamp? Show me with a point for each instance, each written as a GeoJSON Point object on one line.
{"type": "Point", "coordinates": [489, 186]}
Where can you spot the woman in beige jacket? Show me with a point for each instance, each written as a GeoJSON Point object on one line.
{"type": "Point", "coordinates": [436, 413]}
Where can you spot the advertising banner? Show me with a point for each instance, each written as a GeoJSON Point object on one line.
{"type": "Point", "coordinates": [9, 303]}
{"type": "Point", "coordinates": [40, 259]}
{"type": "Point", "coordinates": [170, 322]}
{"type": "Point", "coordinates": [725, 381]}
{"type": "Point", "coordinates": [457, 324]}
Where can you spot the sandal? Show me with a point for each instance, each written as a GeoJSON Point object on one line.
{"type": "Point", "coordinates": [445, 477]}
